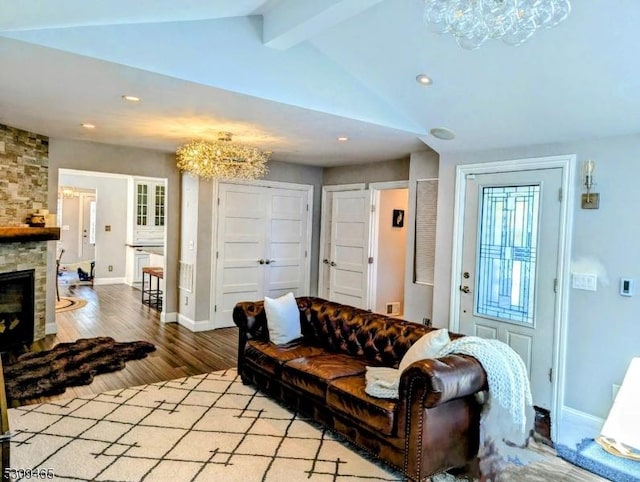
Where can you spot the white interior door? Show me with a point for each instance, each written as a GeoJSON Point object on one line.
{"type": "Point", "coordinates": [286, 249]}
{"type": "Point", "coordinates": [262, 245]}
{"type": "Point", "coordinates": [510, 264]}
{"type": "Point", "coordinates": [241, 246]}
{"type": "Point", "coordinates": [349, 263]}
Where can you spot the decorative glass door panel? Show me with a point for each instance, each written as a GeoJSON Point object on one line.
{"type": "Point", "coordinates": [507, 249]}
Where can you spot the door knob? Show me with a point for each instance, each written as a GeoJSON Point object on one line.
{"type": "Point", "coordinates": [261, 261]}
{"type": "Point", "coordinates": [466, 275]}
{"type": "Point", "coordinates": [325, 261]}
{"type": "Point", "coordinates": [332, 264]}
{"type": "Point", "coordinates": [465, 289]}
{"type": "Point", "coordinates": [269, 261]}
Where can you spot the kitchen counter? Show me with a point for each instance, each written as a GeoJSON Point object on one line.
{"type": "Point", "coordinates": [159, 250]}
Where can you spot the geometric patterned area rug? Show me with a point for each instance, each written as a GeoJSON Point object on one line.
{"type": "Point", "coordinates": [203, 428]}
{"type": "Point", "coordinates": [207, 427]}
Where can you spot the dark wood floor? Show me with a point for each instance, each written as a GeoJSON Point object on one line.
{"type": "Point", "coordinates": [116, 311]}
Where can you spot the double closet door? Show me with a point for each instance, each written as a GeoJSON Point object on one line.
{"type": "Point", "coordinates": [262, 245]}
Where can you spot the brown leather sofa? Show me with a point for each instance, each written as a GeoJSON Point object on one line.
{"type": "Point", "coordinates": [434, 424]}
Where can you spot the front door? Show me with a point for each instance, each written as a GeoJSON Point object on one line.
{"type": "Point", "coordinates": [349, 263]}
{"type": "Point", "coordinates": [88, 239]}
{"type": "Point", "coordinates": [510, 265]}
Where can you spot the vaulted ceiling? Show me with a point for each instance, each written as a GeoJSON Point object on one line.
{"type": "Point", "coordinates": [291, 76]}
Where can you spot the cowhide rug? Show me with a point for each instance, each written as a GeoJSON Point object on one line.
{"type": "Point", "coordinates": [50, 372]}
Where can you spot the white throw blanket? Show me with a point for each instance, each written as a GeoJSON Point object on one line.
{"type": "Point", "coordinates": [507, 411]}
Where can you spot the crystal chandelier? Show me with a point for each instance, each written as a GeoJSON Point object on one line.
{"type": "Point", "coordinates": [222, 159]}
{"type": "Point", "coordinates": [474, 21]}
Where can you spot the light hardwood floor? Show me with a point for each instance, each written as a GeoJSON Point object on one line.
{"type": "Point", "coordinates": [116, 311]}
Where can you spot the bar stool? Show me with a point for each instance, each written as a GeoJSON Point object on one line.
{"type": "Point", "coordinates": [152, 296]}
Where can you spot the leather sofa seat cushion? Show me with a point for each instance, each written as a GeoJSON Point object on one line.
{"type": "Point", "coordinates": [270, 357]}
{"type": "Point", "coordinates": [347, 395]}
{"type": "Point", "coordinates": [312, 374]}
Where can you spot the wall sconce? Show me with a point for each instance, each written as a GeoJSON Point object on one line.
{"type": "Point", "coordinates": [590, 200]}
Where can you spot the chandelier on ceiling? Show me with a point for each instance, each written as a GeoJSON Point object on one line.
{"type": "Point", "coordinates": [474, 21]}
{"type": "Point", "coordinates": [222, 159]}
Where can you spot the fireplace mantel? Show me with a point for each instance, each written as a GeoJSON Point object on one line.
{"type": "Point", "coordinates": [12, 234]}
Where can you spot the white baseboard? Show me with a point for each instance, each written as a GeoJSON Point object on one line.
{"type": "Point", "coordinates": [168, 317]}
{"type": "Point", "coordinates": [204, 325]}
{"type": "Point", "coordinates": [50, 328]}
{"type": "Point", "coordinates": [574, 426]}
{"type": "Point", "coordinates": [109, 281]}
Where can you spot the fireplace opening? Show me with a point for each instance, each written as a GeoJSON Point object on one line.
{"type": "Point", "coordinates": [16, 308]}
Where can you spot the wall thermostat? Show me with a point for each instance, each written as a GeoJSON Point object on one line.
{"type": "Point", "coordinates": [626, 286]}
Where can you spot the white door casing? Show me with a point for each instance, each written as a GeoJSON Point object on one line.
{"type": "Point", "coordinates": [262, 245]}
{"type": "Point", "coordinates": [567, 164]}
{"type": "Point", "coordinates": [375, 247]}
{"type": "Point", "coordinates": [350, 248]}
{"type": "Point", "coordinates": [509, 262]}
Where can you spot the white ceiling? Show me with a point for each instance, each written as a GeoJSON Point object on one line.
{"type": "Point", "coordinates": [290, 76]}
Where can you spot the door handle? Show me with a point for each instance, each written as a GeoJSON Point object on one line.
{"type": "Point", "coordinates": [269, 261]}
{"type": "Point", "coordinates": [332, 264]}
{"type": "Point", "coordinates": [325, 261]}
{"type": "Point", "coordinates": [465, 289]}
{"type": "Point", "coordinates": [261, 261]}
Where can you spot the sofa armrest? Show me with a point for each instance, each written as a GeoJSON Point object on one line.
{"type": "Point", "coordinates": [251, 319]}
{"type": "Point", "coordinates": [444, 379]}
{"type": "Point", "coordinates": [431, 382]}
{"type": "Point", "coordinates": [438, 415]}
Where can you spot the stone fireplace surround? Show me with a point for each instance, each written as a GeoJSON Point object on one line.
{"type": "Point", "coordinates": [24, 160]}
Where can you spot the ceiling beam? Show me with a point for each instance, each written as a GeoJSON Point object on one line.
{"type": "Point", "coordinates": [291, 22]}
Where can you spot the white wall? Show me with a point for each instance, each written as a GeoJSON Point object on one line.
{"type": "Point", "coordinates": [392, 243]}
{"type": "Point", "coordinates": [188, 241]}
{"type": "Point", "coordinates": [418, 297]}
{"type": "Point", "coordinates": [111, 204]}
{"type": "Point", "coordinates": [603, 327]}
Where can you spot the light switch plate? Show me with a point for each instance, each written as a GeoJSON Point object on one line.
{"type": "Point", "coordinates": [584, 281]}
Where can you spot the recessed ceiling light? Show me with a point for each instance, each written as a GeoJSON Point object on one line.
{"type": "Point", "coordinates": [131, 98]}
{"type": "Point", "coordinates": [442, 133]}
{"type": "Point", "coordinates": [88, 126]}
{"type": "Point", "coordinates": [343, 138]}
{"type": "Point", "coordinates": [423, 79]}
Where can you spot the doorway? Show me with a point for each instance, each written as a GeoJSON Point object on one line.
{"type": "Point", "coordinates": [363, 245]}
{"type": "Point", "coordinates": [511, 263]}
{"type": "Point", "coordinates": [77, 220]}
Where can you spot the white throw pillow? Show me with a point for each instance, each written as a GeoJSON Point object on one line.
{"type": "Point", "coordinates": [283, 319]}
{"type": "Point", "coordinates": [427, 346]}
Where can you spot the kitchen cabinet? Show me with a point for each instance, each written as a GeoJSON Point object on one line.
{"type": "Point", "coordinates": [149, 212]}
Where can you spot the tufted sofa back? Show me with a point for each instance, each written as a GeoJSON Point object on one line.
{"type": "Point", "coordinates": [339, 328]}
{"type": "Point", "coordinates": [345, 329]}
